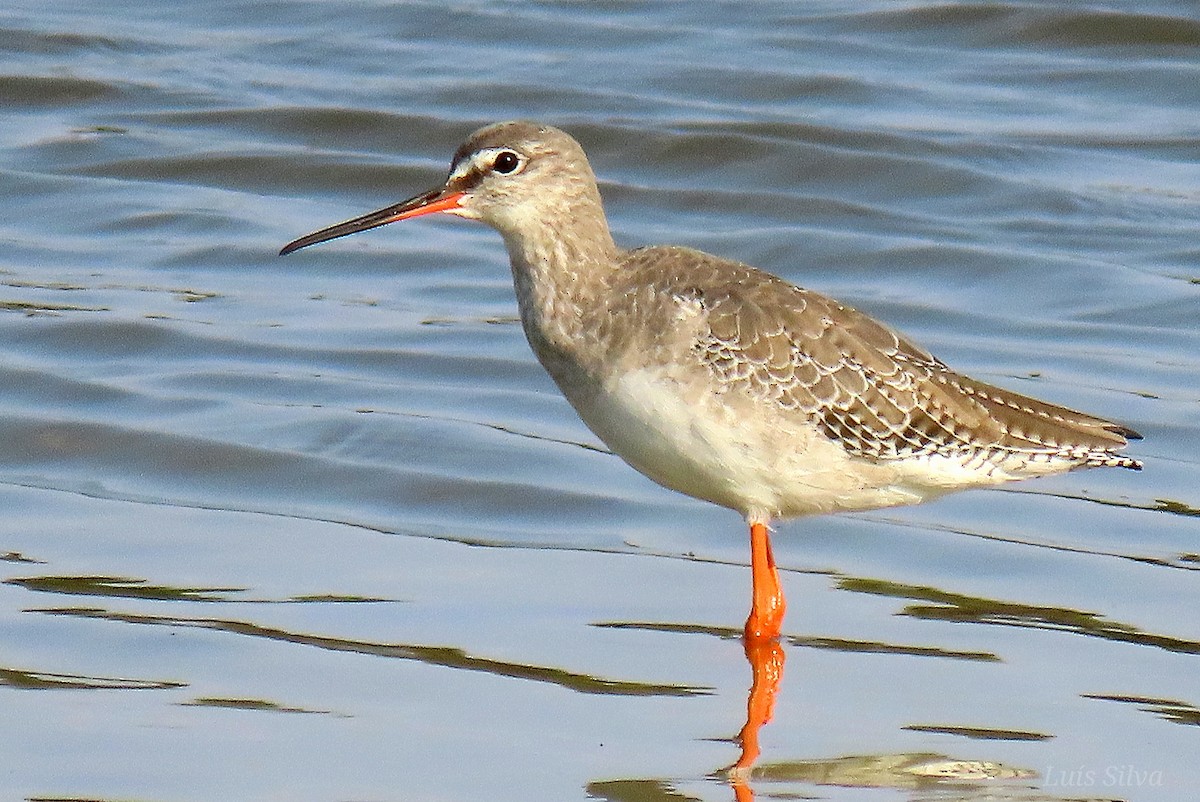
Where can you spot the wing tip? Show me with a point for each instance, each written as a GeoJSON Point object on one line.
{"type": "Point", "coordinates": [1123, 431]}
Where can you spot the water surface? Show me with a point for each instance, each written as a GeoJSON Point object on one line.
{"type": "Point", "coordinates": [320, 527]}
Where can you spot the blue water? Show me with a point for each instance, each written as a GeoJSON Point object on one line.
{"type": "Point", "coordinates": [243, 496]}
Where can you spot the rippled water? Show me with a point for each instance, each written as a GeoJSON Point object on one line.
{"type": "Point", "coordinates": [243, 495]}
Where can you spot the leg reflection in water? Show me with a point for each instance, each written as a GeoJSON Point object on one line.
{"type": "Point", "coordinates": [766, 658]}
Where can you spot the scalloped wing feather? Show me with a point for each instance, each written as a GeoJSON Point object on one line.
{"type": "Point", "coordinates": [863, 385]}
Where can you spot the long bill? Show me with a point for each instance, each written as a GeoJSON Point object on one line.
{"type": "Point", "coordinates": [441, 199]}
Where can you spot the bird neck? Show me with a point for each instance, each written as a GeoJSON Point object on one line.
{"type": "Point", "coordinates": [561, 264]}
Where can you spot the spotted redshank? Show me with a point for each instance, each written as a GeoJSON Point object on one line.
{"type": "Point", "coordinates": [727, 383]}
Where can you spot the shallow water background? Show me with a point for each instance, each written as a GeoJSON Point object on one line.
{"type": "Point", "coordinates": [319, 528]}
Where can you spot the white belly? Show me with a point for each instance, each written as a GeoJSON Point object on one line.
{"type": "Point", "coordinates": [760, 461]}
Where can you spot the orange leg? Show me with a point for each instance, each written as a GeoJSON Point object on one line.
{"type": "Point", "coordinates": [767, 606]}
{"type": "Point", "coordinates": [764, 654]}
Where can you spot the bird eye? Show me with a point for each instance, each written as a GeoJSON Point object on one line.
{"type": "Point", "coordinates": [506, 162]}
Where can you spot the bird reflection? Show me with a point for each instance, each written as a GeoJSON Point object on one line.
{"type": "Point", "coordinates": [766, 658]}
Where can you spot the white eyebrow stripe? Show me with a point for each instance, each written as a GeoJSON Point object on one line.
{"type": "Point", "coordinates": [460, 170]}
{"type": "Point", "coordinates": [480, 160]}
